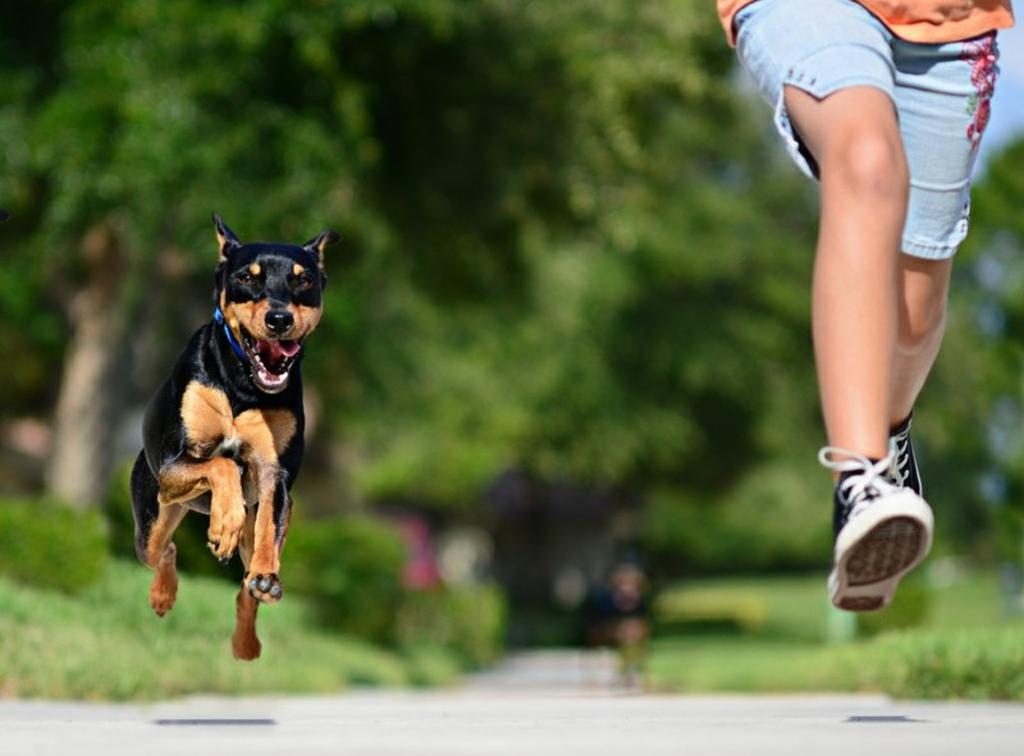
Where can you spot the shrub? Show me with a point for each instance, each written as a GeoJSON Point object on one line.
{"type": "Point", "coordinates": [709, 608]}
{"type": "Point", "coordinates": [106, 643]}
{"type": "Point", "coordinates": [469, 619]}
{"type": "Point", "coordinates": [980, 663]}
{"type": "Point", "coordinates": [428, 665]}
{"type": "Point", "coordinates": [49, 545]}
{"type": "Point", "coordinates": [750, 527]}
{"type": "Point", "coordinates": [909, 608]}
{"type": "Point", "coordinates": [350, 567]}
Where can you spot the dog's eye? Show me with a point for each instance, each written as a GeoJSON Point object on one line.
{"type": "Point", "coordinates": [304, 283]}
{"type": "Point", "coordinates": [246, 279]}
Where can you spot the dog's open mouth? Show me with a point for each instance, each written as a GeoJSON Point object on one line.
{"type": "Point", "coordinates": [271, 360]}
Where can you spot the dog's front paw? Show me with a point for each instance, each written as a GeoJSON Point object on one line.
{"type": "Point", "coordinates": [225, 531]}
{"type": "Point", "coordinates": [265, 588]}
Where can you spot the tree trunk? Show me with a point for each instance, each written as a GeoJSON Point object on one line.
{"type": "Point", "coordinates": [87, 408]}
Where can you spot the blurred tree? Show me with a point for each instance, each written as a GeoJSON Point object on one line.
{"type": "Point", "coordinates": [480, 157]}
{"type": "Point", "coordinates": [570, 247]}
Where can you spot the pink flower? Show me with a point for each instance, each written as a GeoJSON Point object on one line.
{"type": "Point", "coordinates": [981, 54]}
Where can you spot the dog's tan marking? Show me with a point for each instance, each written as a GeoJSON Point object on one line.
{"type": "Point", "coordinates": [163, 591]}
{"type": "Point", "coordinates": [245, 546]}
{"type": "Point", "coordinates": [266, 433]}
{"type": "Point", "coordinates": [223, 242]}
{"type": "Point", "coordinates": [255, 269]}
{"type": "Point", "coordinates": [318, 244]}
{"type": "Point", "coordinates": [206, 416]}
{"type": "Point", "coordinates": [306, 319]}
{"type": "Point", "coordinates": [183, 481]}
{"type": "Point", "coordinates": [245, 645]}
{"type": "Point", "coordinates": [160, 555]}
{"type": "Point", "coordinates": [249, 315]}
{"type": "Point", "coordinates": [297, 270]}
{"type": "Point", "coordinates": [160, 533]}
{"type": "Point", "coordinates": [265, 557]}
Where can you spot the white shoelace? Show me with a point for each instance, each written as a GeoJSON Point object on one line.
{"type": "Point", "coordinates": [868, 481]}
{"type": "Point", "coordinates": [900, 473]}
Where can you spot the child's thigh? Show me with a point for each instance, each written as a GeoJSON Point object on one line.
{"type": "Point", "coordinates": [943, 95]}
{"type": "Point", "coordinates": [818, 46]}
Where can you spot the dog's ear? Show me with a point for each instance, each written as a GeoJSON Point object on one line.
{"type": "Point", "coordinates": [316, 245]}
{"type": "Point", "coordinates": [226, 239]}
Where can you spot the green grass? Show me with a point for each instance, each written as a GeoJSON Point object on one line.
{"type": "Point", "coordinates": [793, 608]}
{"type": "Point", "coordinates": [747, 665]}
{"type": "Point", "coordinates": [964, 650]}
{"type": "Point", "coordinates": [106, 643]}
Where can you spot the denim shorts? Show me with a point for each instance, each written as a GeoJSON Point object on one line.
{"type": "Point", "coordinates": [942, 95]}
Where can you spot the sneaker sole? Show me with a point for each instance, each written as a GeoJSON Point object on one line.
{"type": "Point", "coordinates": [876, 549]}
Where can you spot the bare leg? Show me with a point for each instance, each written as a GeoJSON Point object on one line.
{"type": "Point", "coordinates": [924, 286]}
{"type": "Point", "coordinates": [855, 138]}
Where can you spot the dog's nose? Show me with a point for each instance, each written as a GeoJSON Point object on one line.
{"type": "Point", "coordinates": [279, 321]}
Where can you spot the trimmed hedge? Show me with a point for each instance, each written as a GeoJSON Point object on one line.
{"type": "Point", "coordinates": [985, 663]}
{"type": "Point", "coordinates": [469, 620]}
{"type": "Point", "coordinates": [106, 643]}
{"type": "Point", "coordinates": [46, 544]}
{"type": "Point", "coordinates": [351, 569]}
{"type": "Point", "coordinates": [910, 607]}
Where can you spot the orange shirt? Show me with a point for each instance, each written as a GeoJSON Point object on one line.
{"type": "Point", "coordinates": [928, 21]}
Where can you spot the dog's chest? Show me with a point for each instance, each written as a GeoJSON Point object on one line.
{"type": "Point", "coordinates": [212, 429]}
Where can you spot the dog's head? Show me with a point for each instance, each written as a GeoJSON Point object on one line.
{"type": "Point", "coordinates": [271, 298]}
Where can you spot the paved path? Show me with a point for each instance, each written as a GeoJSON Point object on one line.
{"type": "Point", "coordinates": [538, 704]}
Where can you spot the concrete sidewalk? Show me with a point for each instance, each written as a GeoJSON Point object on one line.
{"type": "Point", "coordinates": [537, 704]}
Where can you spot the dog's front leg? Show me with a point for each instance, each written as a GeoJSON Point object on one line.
{"type": "Point", "coordinates": [227, 512]}
{"type": "Point", "coordinates": [183, 480]}
{"type": "Point", "coordinates": [272, 514]}
{"type": "Point", "coordinates": [266, 434]}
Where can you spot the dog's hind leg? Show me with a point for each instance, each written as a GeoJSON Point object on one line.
{"type": "Point", "coordinates": [154, 527]}
{"type": "Point", "coordinates": [245, 644]}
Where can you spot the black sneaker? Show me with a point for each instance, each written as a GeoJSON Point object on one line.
{"type": "Point", "coordinates": [882, 531]}
{"type": "Point", "coordinates": [903, 471]}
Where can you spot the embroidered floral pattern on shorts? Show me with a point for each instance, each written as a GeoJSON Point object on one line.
{"type": "Point", "coordinates": [982, 55]}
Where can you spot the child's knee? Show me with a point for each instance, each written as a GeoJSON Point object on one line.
{"type": "Point", "coordinates": [922, 320]}
{"type": "Point", "coordinates": [867, 160]}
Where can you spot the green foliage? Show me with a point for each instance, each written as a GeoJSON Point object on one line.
{"type": "Point", "coordinates": [106, 643]}
{"type": "Point", "coordinates": [571, 247]}
{"type": "Point", "coordinates": [706, 608]}
{"type": "Point", "coordinates": [975, 664]}
{"type": "Point", "coordinates": [47, 544]}
{"type": "Point", "coordinates": [963, 648]}
{"type": "Point", "coordinates": [774, 607]}
{"type": "Point", "coordinates": [775, 517]}
{"type": "Point", "coordinates": [469, 619]}
{"type": "Point", "coordinates": [350, 568]}
{"type": "Point", "coordinates": [429, 665]}
{"type": "Point", "coordinates": [909, 608]}
{"type": "Point", "coordinates": [541, 205]}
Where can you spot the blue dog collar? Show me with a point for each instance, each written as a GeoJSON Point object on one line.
{"type": "Point", "coordinates": [218, 316]}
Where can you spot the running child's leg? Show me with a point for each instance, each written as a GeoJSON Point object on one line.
{"type": "Point", "coordinates": [923, 287]}
{"type": "Point", "coordinates": [854, 137]}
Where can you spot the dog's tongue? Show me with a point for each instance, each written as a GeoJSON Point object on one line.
{"type": "Point", "coordinates": [279, 350]}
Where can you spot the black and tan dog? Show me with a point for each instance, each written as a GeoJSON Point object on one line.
{"type": "Point", "coordinates": [224, 434]}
